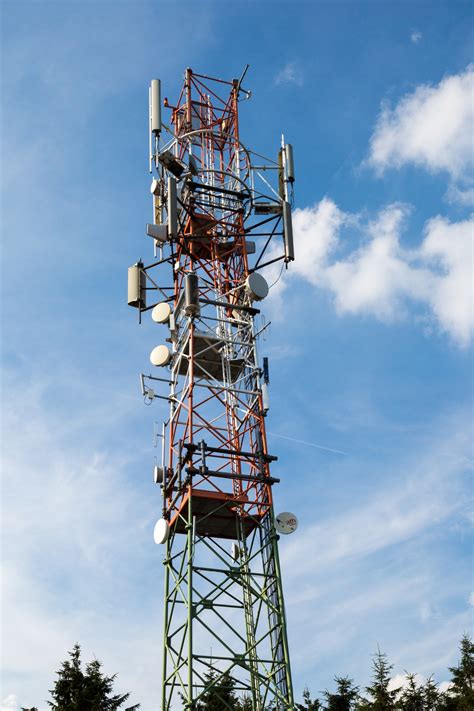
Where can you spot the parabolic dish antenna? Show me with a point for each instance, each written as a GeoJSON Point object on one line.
{"type": "Point", "coordinates": [161, 312]}
{"type": "Point", "coordinates": [286, 522]}
{"type": "Point", "coordinates": [161, 531]}
{"type": "Point", "coordinates": [256, 285]}
{"type": "Point", "coordinates": [161, 355]}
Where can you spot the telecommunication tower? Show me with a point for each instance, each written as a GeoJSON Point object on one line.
{"type": "Point", "coordinates": [221, 213]}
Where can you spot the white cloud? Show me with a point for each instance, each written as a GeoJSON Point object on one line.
{"type": "Point", "coordinates": [290, 74]}
{"type": "Point", "coordinates": [471, 599]}
{"type": "Point", "coordinates": [316, 229]}
{"type": "Point", "coordinates": [376, 276]}
{"type": "Point", "coordinates": [416, 36]}
{"type": "Point", "coordinates": [431, 127]}
{"type": "Point", "coordinates": [400, 681]}
{"type": "Point", "coordinates": [9, 703]}
{"type": "Point", "coordinates": [460, 194]}
{"type": "Point", "coordinates": [445, 686]}
{"type": "Point", "coordinates": [380, 277]}
{"type": "Point", "coordinates": [448, 248]}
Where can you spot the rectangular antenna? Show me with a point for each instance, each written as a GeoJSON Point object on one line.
{"type": "Point", "coordinates": [266, 377]}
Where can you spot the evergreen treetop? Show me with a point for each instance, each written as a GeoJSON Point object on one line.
{"type": "Point", "coordinates": [76, 690]}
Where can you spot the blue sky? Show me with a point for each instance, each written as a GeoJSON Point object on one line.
{"type": "Point", "coordinates": [370, 345]}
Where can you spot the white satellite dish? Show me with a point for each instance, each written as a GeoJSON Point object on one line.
{"type": "Point", "coordinates": [286, 522]}
{"type": "Point", "coordinates": [161, 312]}
{"type": "Point", "coordinates": [256, 285]}
{"type": "Point", "coordinates": [160, 356]}
{"type": "Point", "coordinates": [161, 532]}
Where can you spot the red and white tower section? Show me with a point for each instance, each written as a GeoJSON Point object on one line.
{"type": "Point", "coordinates": [221, 214]}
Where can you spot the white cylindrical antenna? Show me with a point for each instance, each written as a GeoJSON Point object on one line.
{"type": "Point", "coordinates": [163, 444]}
{"type": "Point", "coordinates": [172, 209]}
{"type": "Point", "coordinates": [288, 233]}
{"type": "Point", "coordinates": [282, 160]}
{"type": "Point", "coordinates": [289, 164]}
{"type": "Point", "coordinates": [136, 286]}
{"type": "Point", "coordinates": [155, 106]}
{"type": "Point", "coordinates": [150, 134]}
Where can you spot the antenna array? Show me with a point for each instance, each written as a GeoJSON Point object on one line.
{"type": "Point", "coordinates": [221, 214]}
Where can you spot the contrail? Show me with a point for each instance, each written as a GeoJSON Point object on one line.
{"type": "Point", "coordinates": [310, 444]}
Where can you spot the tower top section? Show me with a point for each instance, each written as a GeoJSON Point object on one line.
{"type": "Point", "coordinates": [222, 187]}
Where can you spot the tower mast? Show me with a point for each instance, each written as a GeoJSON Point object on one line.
{"type": "Point", "coordinates": [220, 216]}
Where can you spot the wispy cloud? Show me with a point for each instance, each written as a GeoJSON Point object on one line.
{"type": "Point", "coordinates": [416, 36]}
{"type": "Point", "coordinates": [291, 73]}
{"type": "Point", "coordinates": [377, 546]}
{"type": "Point", "coordinates": [78, 548]}
{"type": "Point", "coordinates": [424, 496]}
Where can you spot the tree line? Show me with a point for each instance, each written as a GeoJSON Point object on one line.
{"type": "Point", "coordinates": [76, 689]}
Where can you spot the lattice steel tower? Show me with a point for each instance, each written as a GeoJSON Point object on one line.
{"type": "Point", "coordinates": [221, 213]}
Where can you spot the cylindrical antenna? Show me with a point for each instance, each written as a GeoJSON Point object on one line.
{"type": "Point", "coordinates": [191, 295]}
{"type": "Point", "coordinates": [289, 163]}
{"type": "Point", "coordinates": [150, 134]}
{"type": "Point", "coordinates": [288, 233]}
{"type": "Point", "coordinates": [283, 171]}
{"type": "Point", "coordinates": [172, 209]}
{"type": "Point", "coordinates": [136, 286]}
{"type": "Point", "coordinates": [155, 103]}
{"type": "Point", "coordinates": [281, 177]}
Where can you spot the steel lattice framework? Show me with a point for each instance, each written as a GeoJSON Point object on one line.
{"type": "Point", "coordinates": [218, 219]}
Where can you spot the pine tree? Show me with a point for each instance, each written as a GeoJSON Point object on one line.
{"type": "Point", "coordinates": [431, 695]}
{"type": "Point", "coordinates": [344, 698]}
{"type": "Point", "coordinates": [245, 703]}
{"type": "Point", "coordinates": [220, 694]}
{"type": "Point", "coordinates": [380, 697]}
{"type": "Point", "coordinates": [308, 704]}
{"type": "Point", "coordinates": [75, 690]}
{"type": "Point", "coordinates": [460, 695]}
{"type": "Point", "coordinates": [412, 697]}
